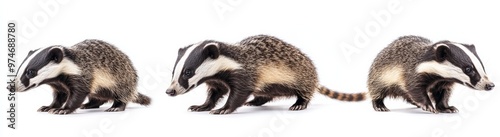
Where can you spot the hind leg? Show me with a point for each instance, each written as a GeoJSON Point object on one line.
{"type": "Point", "coordinates": [258, 101]}
{"type": "Point", "coordinates": [300, 104]}
{"type": "Point", "coordinates": [378, 96]}
{"type": "Point", "coordinates": [117, 106]}
{"type": "Point", "coordinates": [93, 103]}
{"type": "Point", "coordinates": [378, 105]}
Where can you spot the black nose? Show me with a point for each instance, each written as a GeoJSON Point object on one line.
{"type": "Point", "coordinates": [490, 86]}
{"type": "Point", "coordinates": [170, 92]}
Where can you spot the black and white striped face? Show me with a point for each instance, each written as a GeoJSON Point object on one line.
{"type": "Point", "coordinates": [42, 64]}
{"type": "Point", "coordinates": [460, 62]}
{"type": "Point", "coordinates": [195, 63]}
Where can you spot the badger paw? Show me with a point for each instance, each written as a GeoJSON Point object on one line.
{"type": "Point", "coordinates": [115, 109]}
{"type": "Point", "coordinates": [197, 108]}
{"type": "Point", "coordinates": [450, 109]}
{"type": "Point", "coordinates": [381, 109]}
{"type": "Point", "coordinates": [297, 107]}
{"type": "Point", "coordinates": [44, 109]}
{"type": "Point", "coordinates": [429, 108]}
{"type": "Point", "coordinates": [60, 111]}
{"type": "Point", "coordinates": [221, 111]}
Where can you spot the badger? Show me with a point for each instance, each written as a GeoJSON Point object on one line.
{"type": "Point", "coordinates": [263, 66]}
{"type": "Point", "coordinates": [91, 68]}
{"type": "Point", "coordinates": [423, 73]}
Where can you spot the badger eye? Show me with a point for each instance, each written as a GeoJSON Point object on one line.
{"type": "Point", "coordinates": [468, 70]}
{"type": "Point", "coordinates": [188, 73]}
{"type": "Point", "coordinates": [30, 73]}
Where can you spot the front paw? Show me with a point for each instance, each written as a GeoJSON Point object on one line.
{"type": "Point", "coordinates": [197, 108]}
{"type": "Point", "coordinates": [429, 108]}
{"type": "Point", "coordinates": [115, 109]}
{"type": "Point", "coordinates": [221, 111]}
{"type": "Point", "coordinates": [450, 109]}
{"type": "Point", "coordinates": [60, 111]}
{"type": "Point", "coordinates": [44, 109]}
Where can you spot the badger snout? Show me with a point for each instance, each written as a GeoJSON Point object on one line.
{"type": "Point", "coordinates": [19, 87]}
{"type": "Point", "coordinates": [171, 92]}
{"type": "Point", "coordinates": [489, 86]}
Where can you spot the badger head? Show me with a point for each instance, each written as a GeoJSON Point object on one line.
{"type": "Point", "coordinates": [459, 62]}
{"type": "Point", "coordinates": [41, 65]}
{"type": "Point", "coordinates": [196, 63]}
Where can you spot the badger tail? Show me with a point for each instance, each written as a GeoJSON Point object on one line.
{"type": "Point", "coordinates": [342, 96]}
{"type": "Point", "coordinates": [142, 99]}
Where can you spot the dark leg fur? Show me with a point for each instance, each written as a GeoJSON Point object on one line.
{"type": "Point", "coordinates": [93, 103]}
{"type": "Point", "coordinates": [60, 96]}
{"type": "Point", "coordinates": [75, 98]}
{"type": "Point", "coordinates": [117, 106]}
{"type": "Point", "coordinates": [241, 89]}
{"type": "Point", "coordinates": [441, 93]}
{"type": "Point", "coordinates": [258, 101]}
{"type": "Point", "coordinates": [215, 92]}
{"type": "Point", "coordinates": [300, 104]}
{"type": "Point", "coordinates": [235, 100]}
{"type": "Point", "coordinates": [407, 98]}
{"type": "Point", "coordinates": [378, 97]}
{"type": "Point", "coordinates": [419, 95]}
{"type": "Point", "coordinates": [378, 105]}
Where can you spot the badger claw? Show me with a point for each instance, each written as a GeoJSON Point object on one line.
{"type": "Point", "coordinates": [221, 111]}
{"type": "Point", "coordinates": [44, 109]}
{"type": "Point", "coordinates": [429, 108]}
{"type": "Point", "coordinates": [60, 111]}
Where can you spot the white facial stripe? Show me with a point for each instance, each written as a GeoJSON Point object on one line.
{"type": "Point", "coordinates": [180, 64]}
{"type": "Point", "coordinates": [52, 70]}
{"type": "Point", "coordinates": [210, 67]}
{"type": "Point", "coordinates": [445, 69]}
{"type": "Point", "coordinates": [474, 59]}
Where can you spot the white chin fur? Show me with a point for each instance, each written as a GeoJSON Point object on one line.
{"type": "Point", "coordinates": [19, 87]}
{"type": "Point", "coordinates": [178, 88]}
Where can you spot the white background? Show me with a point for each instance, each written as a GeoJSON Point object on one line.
{"type": "Point", "coordinates": [151, 32]}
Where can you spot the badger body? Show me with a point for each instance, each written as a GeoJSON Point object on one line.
{"type": "Point", "coordinates": [263, 66]}
{"type": "Point", "coordinates": [423, 72]}
{"type": "Point", "coordinates": [91, 68]}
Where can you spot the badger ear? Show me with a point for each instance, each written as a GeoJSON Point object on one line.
{"type": "Point", "coordinates": [212, 50]}
{"type": "Point", "coordinates": [472, 47]}
{"type": "Point", "coordinates": [442, 52]}
{"type": "Point", "coordinates": [56, 55]}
